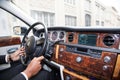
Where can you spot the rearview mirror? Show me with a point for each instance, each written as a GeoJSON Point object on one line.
{"type": "Point", "coordinates": [18, 30]}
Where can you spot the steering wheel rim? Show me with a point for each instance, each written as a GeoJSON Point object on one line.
{"type": "Point", "coordinates": [45, 40]}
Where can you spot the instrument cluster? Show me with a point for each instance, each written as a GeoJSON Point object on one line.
{"type": "Point", "coordinates": [55, 35]}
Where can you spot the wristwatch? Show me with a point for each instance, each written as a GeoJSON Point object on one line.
{"type": "Point", "coordinates": [10, 58]}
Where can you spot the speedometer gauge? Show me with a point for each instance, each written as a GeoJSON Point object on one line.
{"type": "Point", "coordinates": [61, 35]}
{"type": "Point", "coordinates": [54, 35]}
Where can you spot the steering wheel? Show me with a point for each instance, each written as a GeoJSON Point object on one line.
{"type": "Point", "coordinates": [30, 44]}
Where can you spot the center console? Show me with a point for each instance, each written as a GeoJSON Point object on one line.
{"type": "Point", "coordinates": [93, 63]}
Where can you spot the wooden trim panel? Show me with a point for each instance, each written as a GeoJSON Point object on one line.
{"type": "Point", "coordinates": [89, 65]}
{"type": "Point", "coordinates": [80, 77]}
{"type": "Point", "coordinates": [117, 67]}
{"type": "Point", "coordinates": [7, 41]}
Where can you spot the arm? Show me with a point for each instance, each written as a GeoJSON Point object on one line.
{"type": "Point", "coordinates": [19, 77]}
{"type": "Point", "coordinates": [2, 59]}
{"type": "Point", "coordinates": [14, 56]}
{"type": "Point", "coordinates": [32, 69]}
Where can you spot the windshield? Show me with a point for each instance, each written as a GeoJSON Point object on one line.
{"type": "Point", "coordinates": [73, 13]}
{"type": "Point", "coordinates": [82, 13]}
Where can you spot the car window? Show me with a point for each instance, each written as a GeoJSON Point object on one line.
{"type": "Point", "coordinates": [4, 29]}
{"type": "Point", "coordinates": [82, 13]}
{"type": "Point", "coordinates": [10, 25]}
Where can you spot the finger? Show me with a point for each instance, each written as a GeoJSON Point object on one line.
{"type": "Point", "coordinates": [40, 58]}
{"type": "Point", "coordinates": [23, 53]}
{"type": "Point", "coordinates": [22, 48]}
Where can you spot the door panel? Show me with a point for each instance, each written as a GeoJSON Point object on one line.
{"type": "Point", "coordinates": [7, 43]}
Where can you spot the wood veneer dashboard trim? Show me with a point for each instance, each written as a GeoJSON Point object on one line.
{"type": "Point", "coordinates": [114, 36]}
{"type": "Point", "coordinates": [88, 65]}
{"type": "Point", "coordinates": [75, 75]}
{"type": "Point", "coordinates": [7, 41]}
{"type": "Point", "coordinates": [57, 51]}
{"type": "Point", "coordinates": [117, 68]}
{"type": "Point", "coordinates": [71, 55]}
{"type": "Point", "coordinates": [106, 51]}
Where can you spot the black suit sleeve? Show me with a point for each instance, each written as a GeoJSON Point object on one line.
{"type": "Point", "coordinates": [2, 59]}
{"type": "Point", "coordinates": [19, 77]}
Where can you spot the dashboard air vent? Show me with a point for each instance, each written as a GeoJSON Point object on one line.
{"type": "Point", "coordinates": [108, 40]}
{"type": "Point", "coordinates": [70, 37]}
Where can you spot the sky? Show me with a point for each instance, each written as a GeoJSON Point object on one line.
{"type": "Point", "coordinates": [115, 3]}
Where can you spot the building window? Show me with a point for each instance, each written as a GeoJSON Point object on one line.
{"type": "Point", "coordinates": [87, 20]}
{"type": "Point", "coordinates": [87, 5]}
{"type": "Point", "coordinates": [97, 23]}
{"type": "Point", "coordinates": [70, 1]}
{"type": "Point", "coordinates": [102, 23]}
{"type": "Point", "coordinates": [45, 17]}
{"type": "Point", "coordinates": [70, 20]}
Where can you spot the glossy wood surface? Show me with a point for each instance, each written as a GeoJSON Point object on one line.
{"type": "Point", "coordinates": [74, 75]}
{"type": "Point", "coordinates": [89, 65]}
{"type": "Point", "coordinates": [7, 41]}
{"type": "Point", "coordinates": [117, 68]}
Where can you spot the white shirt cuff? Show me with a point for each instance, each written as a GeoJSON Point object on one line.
{"type": "Point", "coordinates": [24, 75]}
{"type": "Point", "coordinates": [6, 58]}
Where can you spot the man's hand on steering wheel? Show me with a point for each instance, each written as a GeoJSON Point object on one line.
{"type": "Point", "coordinates": [30, 44]}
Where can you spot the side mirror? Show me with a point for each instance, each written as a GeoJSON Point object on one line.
{"type": "Point", "coordinates": [18, 30]}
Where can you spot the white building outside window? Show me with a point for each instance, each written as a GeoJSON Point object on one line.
{"type": "Point", "coordinates": [70, 2]}
{"type": "Point", "coordinates": [46, 17]}
{"type": "Point", "coordinates": [87, 4]}
{"type": "Point", "coordinates": [70, 20]}
{"type": "Point", "coordinates": [97, 11]}
{"type": "Point", "coordinates": [102, 12]}
{"type": "Point", "coordinates": [97, 23]}
{"type": "Point", "coordinates": [87, 20]}
{"type": "Point", "coordinates": [102, 23]}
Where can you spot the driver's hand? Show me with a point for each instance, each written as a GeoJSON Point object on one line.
{"type": "Point", "coordinates": [16, 55]}
{"type": "Point", "coordinates": [34, 67]}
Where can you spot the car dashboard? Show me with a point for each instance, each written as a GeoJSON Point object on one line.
{"type": "Point", "coordinates": [92, 54]}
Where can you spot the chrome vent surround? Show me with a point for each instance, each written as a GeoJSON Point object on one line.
{"type": "Point", "coordinates": [70, 37]}
{"type": "Point", "coordinates": [109, 40]}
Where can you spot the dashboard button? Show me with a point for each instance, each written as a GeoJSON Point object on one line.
{"type": "Point", "coordinates": [105, 67]}
{"type": "Point", "coordinates": [68, 78]}
{"type": "Point", "coordinates": [107, 59]}
{"type": "Point", "coordinates": [61, 49]}
{"type": "Point", "coordinates": [78, 59]}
